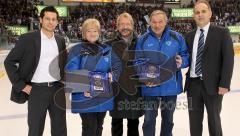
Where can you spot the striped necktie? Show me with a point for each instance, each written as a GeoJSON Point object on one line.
{"type": "Point", "coordinates": [198, 68]}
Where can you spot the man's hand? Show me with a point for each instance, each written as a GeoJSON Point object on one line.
{"type": "Point", "coordinates": [27, 89]}
{"type": "Point", "coordinates": [149, 84]}
{"type": "Point", "coordinates": [87, 94]}
{"type": "Point", "coordinates": [110, 77]}
{"type": "Point", "coordinates": [222, 90]}
{"type": "Point", "coordinates": [178, 61]}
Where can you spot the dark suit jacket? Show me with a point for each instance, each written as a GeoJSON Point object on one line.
{"type": "Point", "coordinates": [217, 59]}
{"type": "Point", "coordinates": [23, 60]}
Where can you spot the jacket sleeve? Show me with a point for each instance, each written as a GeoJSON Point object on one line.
{"type": "Point", "coordinates": [227, 59]}
{"type": "Point", "coordinates": [183, 52]}
{"type": "Point", "coordinates": [13, 60]}
{"type": "Point", "coordinates": [63, 58]}
{"type": "Point", "coordinates": [116, 66]}
{"type": "Point", "coordinates": [139, 57]}
{"type": "Point", "coordinates": [74, 59]}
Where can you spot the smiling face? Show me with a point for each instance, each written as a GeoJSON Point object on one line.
{"type": "Point", "coordinates": [91, 30]}
{"type": "Point", "coordinates": [202, 14]}
{"type": "Point", "coordinates": [92, 35]}
{"type": "Point", "coordinates": [49, 21]}
{"type": "Point", "coordinates": [158, 23]}
{"type": "Point", "coordinates": [125, 26]}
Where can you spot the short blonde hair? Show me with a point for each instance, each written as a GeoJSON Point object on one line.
{"type": "Point", "coordinates": [88, 24]}
{"type": "Point", "coordinates": [156, 12]}
{"type": "Point", "coordinates": [125, 15]}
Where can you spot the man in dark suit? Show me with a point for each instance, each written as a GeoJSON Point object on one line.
{"type": "Point", "coordinates": [210, 73]}
{"type": "Point", "coordinates": [35, 67]}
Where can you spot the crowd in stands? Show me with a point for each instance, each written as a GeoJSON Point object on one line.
{"type": "Point", "coordinates": [19, 12]}
{"type": "Point", "coordinates": [107, 15]}
{"type": "Point", "coordinates": [226, 12]}
{"type": "Point", "coordinates": [22, 12]}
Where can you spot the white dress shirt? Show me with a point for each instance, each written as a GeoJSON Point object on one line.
{"type": "Point", "coordinates": [195, 47]}
{"type": "Point", "coordinates": [49, 52]}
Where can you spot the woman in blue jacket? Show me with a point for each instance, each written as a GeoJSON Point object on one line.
{"type": "Point", "coordinates": [90, 69]}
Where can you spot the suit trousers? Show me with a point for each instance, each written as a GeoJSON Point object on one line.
{"type": "Point", "coordinates": [197, 98]}
{"type": "Point", "coordinates": [132, 127]}
{"type": "Point", "coordinates": [42, 99]}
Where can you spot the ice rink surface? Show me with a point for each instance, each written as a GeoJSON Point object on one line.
{"type": "Point", "coordinates": [13, 121]}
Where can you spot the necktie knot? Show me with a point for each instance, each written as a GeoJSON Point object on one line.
{"type": "Point", "coordinates": [201, 30]}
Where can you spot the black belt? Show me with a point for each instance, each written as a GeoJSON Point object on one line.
{"type": "Point", "coordinates": [196, 78]}
{"type": "Point", "coordinates": [46, 84]}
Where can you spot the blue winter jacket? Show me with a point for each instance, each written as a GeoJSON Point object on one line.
{"type": "Point", "coordinates": [108, 62]}
{"type": "Point", "coordinates": [169, 45]}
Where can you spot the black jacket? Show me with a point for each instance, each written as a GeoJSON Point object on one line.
{"type": "Point", "coordinates": [217, 59]}
{"type": "Point", "coordinates": [128, 100]}
{"type": "Point", "coordinates": [23, 60]}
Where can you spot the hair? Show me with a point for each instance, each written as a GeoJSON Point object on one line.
{"type": "Point", "coordinates": [202, 1]}
{"type": "Point", "coordinates": [125, 15]}
{"type": "Point", "coordinates": [90, 23]}
{"type": "Point", "coordinates": [156, 12]}
{"type": "Point", "coordinates": [48, 9]}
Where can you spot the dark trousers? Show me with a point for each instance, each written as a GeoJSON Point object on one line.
{"type": "Point", "coordinates": [92, 123]}
{"type": "Point", "coordinates": [167, 105]}
{"type": "Point", "coordinates": [117, 127]}
{"type": "Point", "coordinates": [41, 100]}
{"type": "Point", "coordinates": [197, 98]}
